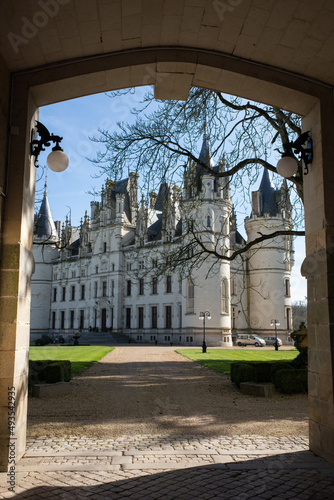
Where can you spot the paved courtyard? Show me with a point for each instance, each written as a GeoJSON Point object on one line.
{"type": "Point", "coordinates": [178, 467]}
{"type": "Point", "coordinates": [166, 465]}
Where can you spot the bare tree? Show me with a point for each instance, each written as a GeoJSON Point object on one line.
{"type": "Point", "coordinates": [166, 136]}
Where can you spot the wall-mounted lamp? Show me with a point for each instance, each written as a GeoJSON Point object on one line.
{"type": "Point", "coordinates": [57, 159]}
{"type": "Point", "coordinates": [287, 166]}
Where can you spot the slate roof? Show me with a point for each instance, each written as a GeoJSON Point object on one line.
{"type": "Point", "coordinates": [44, 224]}
{"type": "Point", "coordinates": [269, 202]}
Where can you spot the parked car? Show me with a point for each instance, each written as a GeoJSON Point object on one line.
{"type": "Point", "coordinates": [272, 341]}
{"type": "Point", "coordinates": [244, 339]}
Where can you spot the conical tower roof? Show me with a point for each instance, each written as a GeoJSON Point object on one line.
{"type": "Point", "coordinates": [205, 154]}
{"type": "Point", "coordinates": [44, 225]}
{"type": "Point", "coordinates": [269, 202]}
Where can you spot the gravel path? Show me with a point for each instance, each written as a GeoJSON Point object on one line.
{"type": "Point", "coordinates": [153, 390]}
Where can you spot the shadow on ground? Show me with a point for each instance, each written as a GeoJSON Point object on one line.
{"type": "Point", "coordinates": [298, 475]}
{"type": "Point", "coordinates": [178, 397]}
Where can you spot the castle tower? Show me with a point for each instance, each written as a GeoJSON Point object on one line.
{"type": "Point", "coordinates": [269, 262]}
{"type": "Point", "coordinates": [208, 212]}
{"type": "Point", "coordinates": [45, 250]}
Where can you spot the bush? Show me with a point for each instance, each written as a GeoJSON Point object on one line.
{"type": "Point", "coordinates": [302, 359]}
{"type": "Point", "coordinates": [48, 371]}
{"type": "Point", "coordinates": [291, 381]}
{"type": "Point", "coordinates": [244, 372]}
{"type": "Point", "coordinates": [41, 341]}
{"type": "Point", "coordinates": [279, 365]}
{"type": "Point", "coordinates": [57, 371]}
{"type": "Point", "coordinates": [262, 371]}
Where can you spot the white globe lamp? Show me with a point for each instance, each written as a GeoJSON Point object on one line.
{"type": "Point", "coordinates": [287, 166]}
{"type": "Point", "coordinates": [57, 160]}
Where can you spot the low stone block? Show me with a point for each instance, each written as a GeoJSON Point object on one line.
{"type": "Point", "coordinates": [254, 389]}
{"type": "Point", "coordinates": [50, 390]}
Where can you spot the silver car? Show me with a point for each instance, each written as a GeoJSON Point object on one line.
{"type": "Point", "coordinates": [272, 341]}
{"type": "Point", "coordinates": [244, 339]}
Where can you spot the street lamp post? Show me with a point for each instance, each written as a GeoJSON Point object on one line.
{"type": "Point", "coordinates": [276, 323]}
{"type": "Point", "coordinates": [203, 315]}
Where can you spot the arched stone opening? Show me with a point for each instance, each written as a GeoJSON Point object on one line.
{"type": "Point", "coordinates": [172, 70]}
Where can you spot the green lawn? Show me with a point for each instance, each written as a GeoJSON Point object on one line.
{"type": "Point", "coordinates": [220, 359]}
{"type": "Point", "coordinates": [80, 356]}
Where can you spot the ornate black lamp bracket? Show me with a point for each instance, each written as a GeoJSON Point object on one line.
{"type": "Point", "coordinates": [38, 145]}
{"type": "Point", "coordinates": [305, 152]}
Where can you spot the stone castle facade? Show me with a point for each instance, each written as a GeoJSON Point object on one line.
{"type": "Point", "coordinates": [112, 274]}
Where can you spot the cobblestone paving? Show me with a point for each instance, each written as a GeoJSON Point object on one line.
{"type": "Point", "coordinates": [171, 467]}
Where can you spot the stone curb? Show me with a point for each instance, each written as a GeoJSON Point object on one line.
{"type": "Point", "coordinates": [62, 453]}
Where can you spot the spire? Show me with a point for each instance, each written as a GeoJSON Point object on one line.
{"type": "Point", "coordinates": [205, 155]}
{"type": "Point", "coordinates": [44, 225]}
{"type": "Point", "coordinates": [268, 191]}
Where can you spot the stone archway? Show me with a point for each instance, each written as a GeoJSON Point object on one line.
{"type": "Point", "coordinates": [172, 70]}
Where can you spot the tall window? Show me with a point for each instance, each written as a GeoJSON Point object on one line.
{"type": "Point", "coordinates": [128, 287]}
{"type": "Point", "coordinates": [95, 289]}
{"type": "Point", "coordinates": [63, 293]}
{"type": "Point", "coordinates": [141, 265]}
{"type": "Point", "coordinates": [112, 288]}
{"type": "Point", "coordinates": [140, 317]}
{"type": "Point", "coordinates": [154, 286]}
{"type": "Point", "coordinates": [208, 221]}
{"type": "Point", "coordinates": [128, 317]}
{"type": "Point", "coordinates": [225, 296]}
{"type": "Point", "coordinates": [104, 247]}
{"type": "Point", "coordinates": [190, 297]}
{"type": "Point", "coordinates": [154, 317]}
{"type": "Point", "coordinates": [287, 287]}
{"type": "Point", "coordinates": [233, 287]}
{"type": "Point", "coordinates": [141, 286]}
{"type": "Point", "coordinates": [234, 317]}
{"type": "Point", "coordinates": [288, 318]}
{"type": "Point", "coordinates": [72, 292]}
{"type": "Point", "coordinates": [104, 288]}
{"type": "Point", "coordinates": [55, 295]}
{"type": "Point", "coordinates": [62, 320]}
{"type": "Point", "coordinates": [169, 284]}
{"type": "Point", "coordinates": [72, 319]}
{"type": "Point", "coordinates": [83, 292]}
{"type": "Point", "coordinates": [82, 319]}
{"type": "Point", "coordinates": [168, 317]}
{"type": "Point", "coordinates": [53, 321]}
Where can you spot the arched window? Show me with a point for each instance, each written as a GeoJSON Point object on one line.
{"type": "Point", "coordinates": [208, 221]}
{"type": "Point", "coordinates": [225, 296]}
{"type": "Point", "coordinates": [233, 287]}
{"type": "Point", "coordinates": [287, 287]}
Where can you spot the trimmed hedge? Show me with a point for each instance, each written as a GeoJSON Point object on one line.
{"type": "Point", "coordinates": [48, 371]}
{"type": "Point", "coordinates": [57, 371]}
{"type": "Point", "coordinates": [291, 381]}
{"type": "Point", "coordinates": [267, 371]}
{"type": "Point", "coordinates": [244, 372]}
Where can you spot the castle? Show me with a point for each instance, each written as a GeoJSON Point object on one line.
{"type": "Point", "coordinates": [115, 273]}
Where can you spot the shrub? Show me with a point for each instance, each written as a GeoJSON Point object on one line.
{"type": "Point", "coordinates": [262, 371]}
{"type": "Point", "coordinates": [279, 365]}
{"type": "Point", "coordinates": [57, 371]}
{"type": "Point", "coordinates": [48, 371]}
{"type": "Point", "coordinates": [41, 341]}
{"type": "Point", "coordinates": [244, 372]}
{"type": "Point", "coordinates": [291, 381]}
{"type": "Point", "coordinates": [301, 360]}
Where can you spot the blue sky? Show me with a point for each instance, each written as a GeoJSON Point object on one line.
{"type": "Point", "coordinates": [77, 120]}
